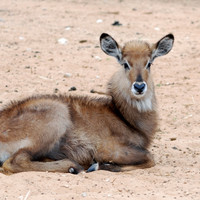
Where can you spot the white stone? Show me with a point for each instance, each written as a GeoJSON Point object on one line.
{"type": "Point", "coordinates": [67, 75]}
{"type": "Point", "coordinates": [99, 21]}
{"type": "Point", "coordinates": [62, 41]}
{"type": "Point", "coordinates": [156, 28]}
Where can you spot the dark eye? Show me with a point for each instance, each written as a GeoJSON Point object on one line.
{"type": "Point", "coordinates": [126, 66]}
{"type": "Point", "coordinates": [148, 65]}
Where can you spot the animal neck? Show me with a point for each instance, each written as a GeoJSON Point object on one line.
{"type": "Point", "coordinates": [132, 109]}
{"type": "Point", "coordinates": [138, 114]}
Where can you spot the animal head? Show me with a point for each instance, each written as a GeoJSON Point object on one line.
{"type": "Point", "coordinates": [136, 58]}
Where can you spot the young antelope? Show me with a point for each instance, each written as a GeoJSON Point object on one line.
{"type": "Point", "coordinates": [84, 133]}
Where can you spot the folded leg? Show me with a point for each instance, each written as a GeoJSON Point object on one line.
{"type": "Point", "coordinates": [22, 161]}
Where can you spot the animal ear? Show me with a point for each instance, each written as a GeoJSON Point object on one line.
{"type": "Point", "coordinates": [110, 46]}
{"type": "Point", "coordinates": [163, 46]}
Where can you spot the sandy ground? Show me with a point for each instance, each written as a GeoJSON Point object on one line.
{"type": "Point", "coordinates": [33, 61]}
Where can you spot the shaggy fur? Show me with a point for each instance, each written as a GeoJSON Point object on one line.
{"type": "Point", "coordinates": [74, 132]}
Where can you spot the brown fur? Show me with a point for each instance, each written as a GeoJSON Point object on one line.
{"type": "Point", "coordinates": [74, 131]}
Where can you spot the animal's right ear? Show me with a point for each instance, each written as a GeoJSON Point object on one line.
{"type": "Point", "coordinates": [110, 46]}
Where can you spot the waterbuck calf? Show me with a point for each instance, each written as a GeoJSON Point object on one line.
{"type": "Point", "coordinates": [77, 133]}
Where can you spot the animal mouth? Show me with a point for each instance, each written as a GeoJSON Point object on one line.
{"type": "Point", "coordinates": [139, 93]}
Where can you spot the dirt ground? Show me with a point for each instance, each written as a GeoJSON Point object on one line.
{"type": "Point", "coordinates": [49, 46]}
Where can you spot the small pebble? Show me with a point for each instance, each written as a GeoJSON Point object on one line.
{"type": "Point", "coordinates": [99, 21]}
{"type": "Point", "coordinates": [67, 186]}
{"type": "Point", "coordinates": [62, 41]}
{"type": "Point", "coordinates": [72, 89]}
{"type": "Point", "coordinates": [67, 75]}
{"type": "Point", "coordinates": [156, 28]}
{"type": "Point", "coordinates": [116, 23]}
{"type": "Point", "coordinates": [56, 90]}
{"type": "Point", "coordinates": [67, 28]}
{"type": "Point", "coordinates": [21, 38]}
{"type": "Point", "coordinates": [172, 139]}
{"type": "Point", "coordinates": [92, 91]}
{"type": "Point", "coordinates": [84, 194]}
{"type": "Point", "coordinates": [97, 58]}
{"type": "Point", "coordinates": [82, 41]}
{"type": "Point", "coordinates": [43, 77]}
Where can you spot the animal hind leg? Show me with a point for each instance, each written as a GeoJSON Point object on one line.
{"type": "Point", "coordinates": [129, 158]}
{"type": "Point", "coordinates": [21, 161]}
{"type": "Point", "coordinates": [122, 168]}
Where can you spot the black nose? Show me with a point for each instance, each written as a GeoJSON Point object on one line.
{"type": "Point", "coordinates": [139, 87]}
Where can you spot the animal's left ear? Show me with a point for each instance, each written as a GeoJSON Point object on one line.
{"type": "Point", "coordinates": [163, 46]}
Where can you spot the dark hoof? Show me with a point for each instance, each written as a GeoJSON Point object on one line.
{"type": "Point", "coordinates": [73, 170]}
{"type": "Point", "coordinates": [93, 167]}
